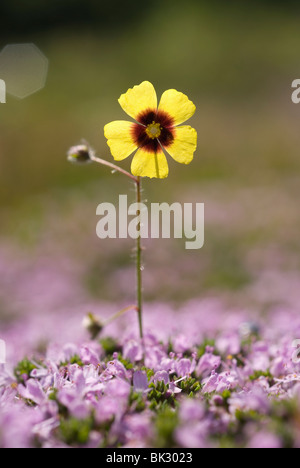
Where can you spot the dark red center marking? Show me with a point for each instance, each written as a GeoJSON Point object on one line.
{"type": "Point", "coordinates": [166, 136]}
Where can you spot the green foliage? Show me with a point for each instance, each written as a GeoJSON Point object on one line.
{"type": "Point", "coordinates": [257, 374]}
{"type": "Point", "coordinates": [166, 423]}
{"type": "Point", "coordinates": [127, 364]}
{"type": "Point", "coordinates": [246, 416]}
{"type": "Point", "coordinates": [109, 345]}
{"type": "Point", "coordinates": [24, 368]}
{"type": "Point", "coordinates": [138, 400]}
{"type": "Point", "coordinates": [202, 347]}
{"type": "Point", "coordinates": [74, 431]}
{"type": "Point", "coordinates": [150, 372]}
{"type": "Point", "coordinates": [285, 420]}
{"type": "Point", "coordinates": [226, 394]}
{"type": "Point", "coordinates": [160, 396]}
{"type": "Point", "coordinates": [190, 386]}
{"type": "Point", "coordinates": [73, 360]}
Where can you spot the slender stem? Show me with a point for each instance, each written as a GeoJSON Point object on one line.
{"type": "Point", "coordinates": [137, 181]}
{"type": "Point", "coordinates": [114, 167]}
{"type": "Point", "coordinates": [139, 263]}
{"type": "Point", "coordinates": [119, 314]}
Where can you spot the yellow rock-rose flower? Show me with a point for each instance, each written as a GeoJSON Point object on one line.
{"type": "Point", "coordinates": [155, 129]}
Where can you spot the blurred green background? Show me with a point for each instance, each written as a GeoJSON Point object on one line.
{"type": "Point", "coordinates": [235, 60]}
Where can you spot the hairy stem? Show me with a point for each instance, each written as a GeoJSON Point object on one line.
{"type": "Point", "coordinates": [137, 181]}
{"type": "Point", "coordinates": [119, 314]}
{"type": "Point", "coordinates": [114, 167]}
{"type": "Point", "coordinates": [139, 262]}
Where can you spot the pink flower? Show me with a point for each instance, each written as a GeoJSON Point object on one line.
{"type": "Point", "coordinates": [229, 343]}
{"type": "Point", "coordinates": [207, 363]}
{"type": "Point", "coordinates": [264, 440]}
{"type": "Point", "coordinates": [191, 410]}
{"type": "Point", "coordinates": [32, 391]}
{"type": "Point", "coordinates": [161, 376]}
{"type": "Point", "coordinates": [140, 381]}
{"type": "Point", "coordinates": [185, 367]}
{"type": "Point", "coordinates": [133, 351]}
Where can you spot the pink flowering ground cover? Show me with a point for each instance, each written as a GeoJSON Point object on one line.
{"type": "Point", "coordinates": [216, 371]}
{"type": "Point", "coordinates": [202, 377]}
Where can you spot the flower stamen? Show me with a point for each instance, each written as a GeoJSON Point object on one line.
{"type": "Point", "coordinates": [153, 130]}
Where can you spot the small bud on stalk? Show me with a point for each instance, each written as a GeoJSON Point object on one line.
{"type": "Point", "coordinates": [80, 154]}
{"type": "Point", "coordinates": [93, 325]}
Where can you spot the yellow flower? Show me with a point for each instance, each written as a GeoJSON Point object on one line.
{"type": "Point", "coordinates": [155, 129]}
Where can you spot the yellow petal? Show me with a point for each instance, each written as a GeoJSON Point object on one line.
{"type": "Point", "coordinates": [119, 139]}
{"type": "Point", "coordinates": [139, 99]}
{"type": "Point", "coordinates": [177, 105]}
{"type": "Point", "coordinates": [146, 164]}
{"type": "Point", "coordinates": [184, 145]}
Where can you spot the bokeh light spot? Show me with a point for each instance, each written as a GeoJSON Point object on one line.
{"type": "Point", "coordinates": [24, 69]}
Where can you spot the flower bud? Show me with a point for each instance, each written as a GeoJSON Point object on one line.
{"type": "Point", "coordinates": [93, 325]}
{"type": "Point", "coordinates": [80, 154]}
